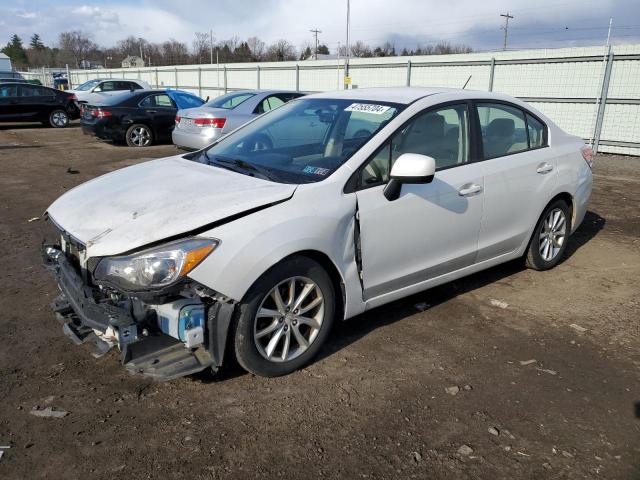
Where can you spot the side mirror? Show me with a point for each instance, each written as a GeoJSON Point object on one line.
{"type": "Point", "coordinates": [207, 99]}
{"type": "Point", "coordinates": [409, 168]}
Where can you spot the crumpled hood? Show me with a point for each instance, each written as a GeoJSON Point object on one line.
{"type": "Point", "coordinates": [151, 201]}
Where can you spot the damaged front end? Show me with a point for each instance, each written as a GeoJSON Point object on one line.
{"type": "Point", "coordinates": [167, 332]}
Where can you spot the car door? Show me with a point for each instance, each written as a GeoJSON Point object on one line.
{"type": "Point", "coordinates": [36, 102]}
{"type": "Point", "coordinates": [431, 229]}
{"type": "Point", "coordinates": [161, 110]}
{"type": "Point", "coordinates": [519, 175]}
{"type": "Point", "coordinates": [10, 109]}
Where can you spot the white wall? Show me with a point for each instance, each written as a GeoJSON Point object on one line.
{"type": "Point", "coordinates": [563, 83]}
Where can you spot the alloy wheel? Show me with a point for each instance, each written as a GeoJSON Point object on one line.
{"type": "Point", "coordinates": [59, 119]}
{"type": "Point", "coordinates": [289, 319]}
{"type": "Point", "coordinates": [552, 234]}
{"type": "Point", "coordinates": [140, 136]}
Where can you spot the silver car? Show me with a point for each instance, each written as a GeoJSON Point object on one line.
{"type": "Point", "coordinates": [198, 127]}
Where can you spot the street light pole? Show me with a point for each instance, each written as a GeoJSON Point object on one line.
{"type": "Point", "coordinates": [348, 53]}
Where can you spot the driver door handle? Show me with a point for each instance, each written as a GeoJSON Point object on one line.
{"type": "Point", "coordinates": [544, 168]}
{"type": "Point", "coordinates": [469, 189]}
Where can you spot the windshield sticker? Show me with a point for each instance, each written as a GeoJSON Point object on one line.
{"type": "Point", "coordinates": [367, 108]}
{"type": "Point", "coordinates": [316, 170]}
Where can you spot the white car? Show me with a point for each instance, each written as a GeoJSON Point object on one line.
{"type": "Point", "coordinates": [260, 250]}
{"type": "Point", "coordinates": [92, 91]}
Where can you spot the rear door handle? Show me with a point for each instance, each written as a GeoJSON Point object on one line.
{"type": "Point", "coordinates": [152, 111]}
{"type": "Point", "coordinates": [544, 168]}
{"type": "Point", "coordinates": [469, 189]}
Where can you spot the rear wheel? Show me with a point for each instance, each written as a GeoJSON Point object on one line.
{"type": "Point", "coordinates": [58, 119]}
{"type": "Point", "coordinates": [284, 318]}
{"type": "Point", "coordinates": [550, 236]}
{"type": "Point", "coordinates": [139, 135]}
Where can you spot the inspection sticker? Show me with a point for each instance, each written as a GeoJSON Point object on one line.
{"type": "Point", "coordinates": [316, 170]}
{"type": "Point", "coordinates": [367, 108]}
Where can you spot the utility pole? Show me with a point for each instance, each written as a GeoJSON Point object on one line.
{"type": "Point", "coordinates": [348, 54]}
{"type": "Point", "coordinates": [506, 27]}
{"type": "Point", "coordinates": [315, 33]}
{"type": "Point", "coordinates": [211, 45]}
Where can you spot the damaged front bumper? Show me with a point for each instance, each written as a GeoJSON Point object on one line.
{"type": "Point", "coordinates": [147, 346]}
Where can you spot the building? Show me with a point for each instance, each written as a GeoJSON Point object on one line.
{"type": "Point", "coordinates": [5, 62]}
{"type": "Point", "coordinates": [132, 62]}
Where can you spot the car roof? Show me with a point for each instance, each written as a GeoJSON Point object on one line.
{"type": "Point", "coordinates": [402, 95]}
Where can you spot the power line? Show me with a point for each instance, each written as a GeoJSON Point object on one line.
{"type": "Point", "coordinates": [506, 27]}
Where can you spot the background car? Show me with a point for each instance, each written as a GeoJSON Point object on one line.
{"type": "Point", "coordinates": [198, 127]}
{"type": "Point", "coordinates": [139, 118]}
{"type": "Point", "coordinates": [10, 75]}
{"type": "Point", "coordinates": [92, 90]}
{"type": "Point", "coordinates": [23, 102]}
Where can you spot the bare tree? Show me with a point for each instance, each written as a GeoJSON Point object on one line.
{"type": "Point", "coordinates": [201, 46]}
{"type": "Point", "coordinates": [360, 49]}
{"type": "Point", "coordinates": [77, 43]}
{"type": "Point", "coordinates": [257, 48]}
{"type": "Point", "coordinates": [174, 52]}
{"type": "Point", "coordinates": [281, 51]}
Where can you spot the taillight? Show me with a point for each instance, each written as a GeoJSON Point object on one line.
{"type": "Point", "coordinates": [99, 113]}
{"type": "Point", "coordinates": [177, 119]}
{"type": "Point", "coordinates": [210, 122]}
{"type": "Point", "coordinates": [73, 97]}
{"type": "Point", "coordinates": [587, 154]}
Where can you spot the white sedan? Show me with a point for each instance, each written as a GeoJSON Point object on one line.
{"type": "Point", "coordinates": [94, 90]}
{"type": "Point", "coordinates": [363, 197]}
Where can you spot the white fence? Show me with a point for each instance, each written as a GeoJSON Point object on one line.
{"type": "Point", "coordinates": [588, 91]}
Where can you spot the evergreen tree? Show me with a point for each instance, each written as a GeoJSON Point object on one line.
{"type": "Point", "coordinates": [16, 52]}
{"type": "Point", "coordinates": [36, 42]}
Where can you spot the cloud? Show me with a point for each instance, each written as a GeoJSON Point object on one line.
{"type": "Point", "coordinates": [405, 22]}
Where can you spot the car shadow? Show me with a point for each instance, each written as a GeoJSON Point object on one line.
{"type": "Point", "coordinates": [346, 333]}
{"type": "Point", "coordinates": [15, 147]}
{"type": "Point", "coordinates": [30, 125]}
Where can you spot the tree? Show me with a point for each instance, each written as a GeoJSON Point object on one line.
{"type": "Point", "coordinates": [174, 52]}
{"type": "Point", "coordinates": [201, 46]}
{"type": "Point", "coordinates": [16, 52]}
{"type": "Point", "coordinates": [242, 53]}
{"type": "Point", "coordinates": [36, 43]}
{"type": "Point", "coordinates": [257, 48]}
{"type": "Point", "coordinates": [360, 49]}
{"type": "Point", "coordinates": [77, 43]}
{"type": "Point", "coordinates": [323, 49]}
{"type": "Point", "coordinates": [306, 53]}
{"type": "Point", "coordinates": [281, 51]}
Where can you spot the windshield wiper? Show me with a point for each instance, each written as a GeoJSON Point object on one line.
{"type": "Point", "coordinates": [264, 173]}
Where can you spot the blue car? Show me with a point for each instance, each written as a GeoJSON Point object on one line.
{"type": "Point", "coordinates": [139, 118]}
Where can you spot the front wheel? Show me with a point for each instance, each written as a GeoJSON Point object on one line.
{"type": "Point", "coordinates": [550, 236]}
{"type": "Point", "coordinates": [284, 318]}
{"type": "Point", "coordinates": [139, 135]}
{"type": "Point", "coordinates": [58, 119]}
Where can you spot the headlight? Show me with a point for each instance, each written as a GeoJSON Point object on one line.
{"type": "Point", "coordinates": [156, 267]}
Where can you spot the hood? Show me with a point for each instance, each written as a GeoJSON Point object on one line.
{"type": "Point", "coordinates": [151, 201]}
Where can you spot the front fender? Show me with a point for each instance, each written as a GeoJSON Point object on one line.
{"type": "Point", "coordinates": [254, 243]}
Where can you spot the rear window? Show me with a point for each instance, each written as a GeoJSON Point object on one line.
{"type": "Point", "coordinates": [230, 100]}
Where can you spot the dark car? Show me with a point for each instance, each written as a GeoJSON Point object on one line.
{"type": "Point", "coordinates": [139, 118]}
{"type": "Point", "coordinates": [23, 102]}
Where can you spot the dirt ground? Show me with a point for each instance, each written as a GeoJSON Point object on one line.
{"type": "Point", "coordinates": [546, 365]}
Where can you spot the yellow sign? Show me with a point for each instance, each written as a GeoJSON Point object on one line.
{"type": "Point", "coordinates": [347, 80]}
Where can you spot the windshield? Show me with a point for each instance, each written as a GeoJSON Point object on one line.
{"type": "Point", "coordinates": [88, 85]}
{"type": "Point", "coordinates": [230, 100]}
{"type": "Point", "coordinates": [303, 141]}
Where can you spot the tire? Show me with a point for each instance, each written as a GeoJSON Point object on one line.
{"type": "Point", "coordinates": [549, 240]}
{"type": "Point", "coordinates": [252, 346]}
{"type": "Point", "coordinates": [139, 135]}
{"type": "Point", "coordinates": [58, 119]}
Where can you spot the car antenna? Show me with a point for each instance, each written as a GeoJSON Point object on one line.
{"type": "Point", "coordinates": [466, 83]}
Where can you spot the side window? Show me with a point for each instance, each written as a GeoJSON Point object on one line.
{"type": "Point", "coordinates": [537, 133]}
{"type": "Point", "coordinates": [442, 134]}
{"type": "Point", "coordinates": [503, 129]}
{"type": "Point", "coordinates": [108, 86]}
{"type": "Point", "coordinates": [163, 100]}
{"type": "Point", "coordinates": [148, 102]}
{"type": "Point", "coordinates": [8, 91]}
{"type": "Point", "coordinates": [269, 104]}
{"type": "Point", "coordinates": [133, 85]}
{"type": "Point", "coordinates": [29, 91]}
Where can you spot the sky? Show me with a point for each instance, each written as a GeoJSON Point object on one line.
{"type": "Point", "coordinates": [406, 23]}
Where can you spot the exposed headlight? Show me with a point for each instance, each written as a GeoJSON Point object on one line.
{"type": "Point", "coordinates": [156, 267]}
